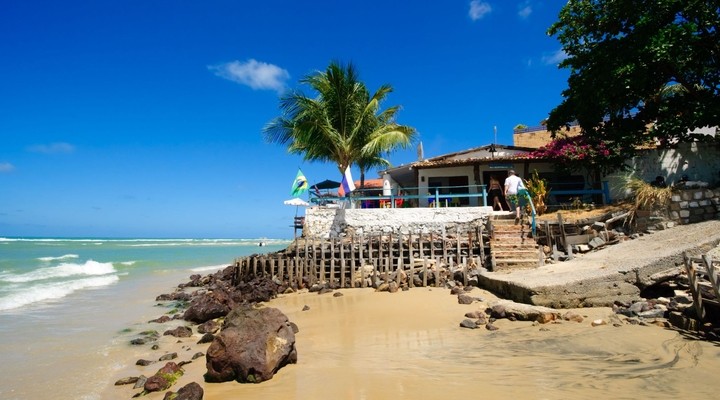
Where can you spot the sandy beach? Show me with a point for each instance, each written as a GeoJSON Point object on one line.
{"type": "Point", "coordinates": [408, 345]}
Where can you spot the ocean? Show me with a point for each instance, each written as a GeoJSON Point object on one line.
{"type": "Point", "coordinates": [69, 306]}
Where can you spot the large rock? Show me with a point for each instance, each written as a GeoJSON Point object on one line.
{"type": "Point", "coordinates": [251, 347]}
{"type": "Point", "coordinates": [523, 312]}
{"type": "Point", "coordinates": [209, 306]}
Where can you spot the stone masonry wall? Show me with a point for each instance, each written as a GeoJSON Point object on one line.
{"type": "Point", "coordinates": [695, 205]}
{"type": "Point", "coordinates": [540, 137]}
{"type": "Point", "coordinates": [331, 222]}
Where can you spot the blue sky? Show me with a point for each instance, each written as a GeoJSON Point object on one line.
{"type": "Point", "coordinates": [125, 118]}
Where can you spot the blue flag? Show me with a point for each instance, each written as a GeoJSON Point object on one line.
{"type": "Point", "coordinates": [300, 185]}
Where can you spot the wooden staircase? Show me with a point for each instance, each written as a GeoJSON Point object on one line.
{"type": "Point", "coordinates": [511, 245]}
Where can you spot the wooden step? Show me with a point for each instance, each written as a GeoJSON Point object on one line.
{"type": "Point", "coordinates": [499, 245]}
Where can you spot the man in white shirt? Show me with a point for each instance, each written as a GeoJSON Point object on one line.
{"type": "Point", "coordinates": [513, 184]}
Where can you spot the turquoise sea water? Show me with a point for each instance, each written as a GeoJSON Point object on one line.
{"type": "Point", "coordinates": [40, 272]}
{"type": "Point", "coordinates": [66, 305]}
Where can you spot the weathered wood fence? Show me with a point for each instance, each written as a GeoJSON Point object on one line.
{"type": "Point", "coordinates": [704, 279]}
{"type": "Point", "coordinates": [361, 261]}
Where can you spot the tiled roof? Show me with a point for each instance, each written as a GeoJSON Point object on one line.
{"type": "Point", "coordinates": [438, 162]}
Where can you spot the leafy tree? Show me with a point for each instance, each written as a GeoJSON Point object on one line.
{"type": "Point", "coordinates": [342, 124]}
{"type": "Point", "coordinates": [640, 70]}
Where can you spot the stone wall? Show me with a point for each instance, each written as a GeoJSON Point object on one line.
{"type": "Point", "coordinates": [331, 222]}
{"type": "Point", "coordinates": [539, 137]}
{"type": "Point", "coordinates": [695, 205]}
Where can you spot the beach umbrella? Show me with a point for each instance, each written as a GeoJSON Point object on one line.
{"type": "Point", "coordinates": [327, 184]}
{"type": "Point", "coordinates": [297, 202]}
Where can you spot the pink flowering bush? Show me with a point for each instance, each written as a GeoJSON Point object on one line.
{"type": "Point", "coordinates": [577, 153]}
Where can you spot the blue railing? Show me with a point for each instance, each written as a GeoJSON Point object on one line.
{"type": "Point", "coordinates": [604, 191]}
{"type": "Point", "coordinates": [438, 198]}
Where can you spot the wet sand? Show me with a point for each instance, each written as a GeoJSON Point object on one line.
{"type": "Point", "coordinates": [408, 345]}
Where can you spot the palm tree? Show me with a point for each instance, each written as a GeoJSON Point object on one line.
{"type": "Point", "coordinates": [343, 124]}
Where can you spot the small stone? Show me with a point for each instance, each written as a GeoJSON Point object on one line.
{"type": "Point", "coordinates": [169, 356]}
{"type": "Point", "coordinates": [491, 327]}
{"type": "Point", "coordinates": [572, 316]}
{"type": "Point", "coordinates": [140, 382]}
{"type": "Point", "coordinates": [468, 323]}
{"type": "Point", "coordinates": [306, 308]}
{"type": "Point", "coordinates": [143, 362]}
{"type": "Point", "coordinates": [465, 299]}
{"type": "Point", "coordinates": [598, 322]}
{"type": "Point", "coordinates": [206, 338]}
{"type": "Point", "coordinates": [197, 355]}
{"type": "Point", "coordinates": [338, 294]}
{"type": "Point", "coordinates": [126, 381]}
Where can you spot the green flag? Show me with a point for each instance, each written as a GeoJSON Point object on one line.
{"type": "Point", "coordinates": [300, 185]}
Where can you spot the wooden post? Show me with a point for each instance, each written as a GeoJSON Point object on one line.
{"type": "Point", "coordinates": [568, 248]}
{"type": "Point", "coordinates": [457, 238]}
{"type": "Point", "coordinates": [332, 263]}
{"type": "Point", "coordinates": [437, 271]}
{"type": "Point", "coordinates": [362, 276]}
{"type": "Point", "coordinates": [713, 274]}
{"type": "Point", "coordinates": [291, 265]}
{"type": "Point", "coordinates": [300, 272]}
{"type": "Point", "coordinates": [370, 249]}
{"type": "Point", "coordinates": [694, 287]}
{"type": "Point", "coordinates": [465, 271]}
{"type": "Point", "coordinates": [401, 259]}
{"type": "Point", "coordinates": [470, 250]}
{"type": "Point", "coordinates": [425, 271]}
{"type": "Point", "coordinates": [254, 266]}
{"type": "Point", "coordinates": [352, 261]}
{"type": "Point", "coordinates": [281, 269]}
{"type": "Point", "coordinates": [444, 244]}
{"type": "Point", "coordinates": [307, 255]}
{"type": "Point", "coordinates": [432, 247]}
{"type": "Point", "coordinates": [481, 244]}
{"type": "Point", "coordinates": [411, 258]}
{"type": "Point", "coordinates": [420, 246]}
{"type": "Point", "coordinates": [342, 264]}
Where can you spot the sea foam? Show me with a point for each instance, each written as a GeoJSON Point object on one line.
{"type": "Point", "coordinates": [63, 257]}
{"type": "Point", "coordinates": [62, 270]}
{"type": "Point", "coordinates": [52, 291]}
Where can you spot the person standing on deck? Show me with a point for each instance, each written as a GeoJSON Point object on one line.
{"type": "Point", "coordinates": [513, 184]}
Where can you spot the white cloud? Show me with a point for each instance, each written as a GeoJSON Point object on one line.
{"type": "Point", "coordinates": [554, 58]}
{"type": "Point", "coordinates": [6, 167]}
{"type": "Point", "coordinates": [258, 75]}
{"type": "Point", "coordinates": [525, 9]}
{"type": "Point", "coordinates": [52, 148]}
{"type": "Point", "coordinates": [478, 9]}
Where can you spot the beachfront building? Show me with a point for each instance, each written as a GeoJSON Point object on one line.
{"type": "Point", "coordinates": [460, 177]}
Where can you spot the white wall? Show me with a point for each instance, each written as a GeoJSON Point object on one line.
{"type": "Point", "coordinates": [323, 222]}
{"type": "Point", "coordinates": [699, 161]}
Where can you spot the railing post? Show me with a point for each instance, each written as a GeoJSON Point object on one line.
{"type": "Point", "coordinates": [606, 192]}
{"type": "Point", "coordinates": [437, 198]}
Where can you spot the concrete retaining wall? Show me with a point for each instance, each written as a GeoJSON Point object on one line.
{"type": "Point", "coordinates": [331, 222]}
